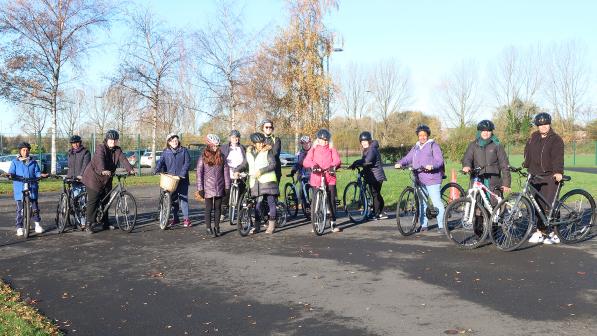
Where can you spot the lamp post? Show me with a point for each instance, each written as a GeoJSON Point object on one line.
{"type": "Point", "coordinates": [329, 98]}
{"type": "Point", "coordinates": [371, 122]}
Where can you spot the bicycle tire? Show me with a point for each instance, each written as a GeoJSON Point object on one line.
{"type": "Point", "coordinates": [62, 213]}
{"type": "Point", "coordinates": [281, 214]}
{"type": "Point", "coordinates": [245, 220]}
{"type": "Point", "coordinates": [290, 200]}
{"type": "Point", "coordinates": [306, 204]}
{"type": "Point", "coordinates": [164, 209]}
{"type": "Point", "coordinates": [407, 212]}
{"type": "Point", "coordinates": [126, 211]}
{"type": "Point", "coordinates": [355, 203]}
{"type": "Point", "coordinates": [319, 215]}
{"type": "Point", "coordinates": [461, 226]}
{"type": "Point", "coordinates": [445, 192]}
{"type": "Point", "coordinates": [581, 217]}
{"type": "Point", "coordinates": [233, 205]}
{"type": "Point", "coordinates": [79, 210]}
{"type": "Point", "coordinates": [26, 217]}
{"type": "Point", "coordinates": [509, 229]}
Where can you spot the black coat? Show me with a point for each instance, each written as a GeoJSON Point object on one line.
{"type": "Point", "coordinates": [104, 158]}
{"type": "Point", "coordinates": [372, 163]}
{"type": "Point", "coordinates": [544, 156]}
{"type": "Point", "coordinates": [492, 160]}
{"type": "Point", "coordinates": [77, 161]}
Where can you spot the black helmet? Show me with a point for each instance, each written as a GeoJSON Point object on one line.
{"type": "Point", "coordinates": [323, 134]}
{"type": "Point", "coordinates": [266, 121]}
{"type": "Point", "coordinates": [423, 128]}
{"type": "Point", "coordinates": [485, 125]}
{"type": "Point", "coordinates": [23, 144]}
{"type": "Point", "coordinates": [112, 134]}
{"type": "Point", "coordinates": [257, 138]}
{"type": "Point", "coordinates": [235, 133]}
{"type": "Point", "coordinates": [365, 136]}
{"type": "Point", "coordinates": [75, 139]}
{"type": "Point", "coordinates": [542, 119]}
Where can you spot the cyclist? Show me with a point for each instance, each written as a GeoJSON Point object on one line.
{"type": "Point", "coordinates": [175, 160]}
{"type": "Point", "coordinates": [235, 153]}
{"type": "Point", "coordinates": [267, 127]}
{"type": "Point", "coordinates": [25, 166]}
{"type": "Point", "coordinates": [322, 156]}
{"type": "Point", "coordinates": [261, 164]}
{"type": "Point", "coordinates": [544, 158]}
{"type": "Point", "coordinates": [97, 176]}
{"type": "Point", "coordinates": [213, 178]}
{"type": "Point", "coordinates": [428, 155]}
{"type": "Point", "coordinates": [304, 173]}
{"type": "Point", "coordinates": [372, 171]}
{"type": "Point", "coordinates": [78, 159]}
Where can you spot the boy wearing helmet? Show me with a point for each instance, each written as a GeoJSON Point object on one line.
{"type": "Point", "coordinates": [544, 158]}
{"type": "Point", "coordinates": [175, 160]}
{"type": "Point", "coordinates": [78, 159]}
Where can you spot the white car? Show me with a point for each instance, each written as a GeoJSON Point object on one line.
{"type": "Point", "coordinates": [5, 162]}
{"type": "Point", "coordinates": [287, 159]}
{"type": "Point", "coordinates": [148, 156]}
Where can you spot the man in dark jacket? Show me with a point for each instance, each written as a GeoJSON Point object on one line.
{"type": "Point", "coordinates": [372, 171]}
{"type": "Point", "coordinates": [97, 176]}
{"type": "Point", "coordinates": [78, 159]}
{"type": "Point", "coordinates": [267, 127]}
{"type": "Point", "coordinates": [544, 158]}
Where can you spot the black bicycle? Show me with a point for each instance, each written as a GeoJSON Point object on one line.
{"type": "Point", "coordinates": [233, 201]}
{"type": "Point", "coordinates": [293, 199]}
{"type": "Point", "coordinates": [70, 211]}
{"type": "Point", "coordinates": [248, 221]}
{"type": "Point", "coordinates": [321, 205]}
{"type": "Point", "coordinates": [358, 200]}
{"type": "Point", "coordinates": [27, 208]}
{"type": "Point", "coordinates": [125, 205]}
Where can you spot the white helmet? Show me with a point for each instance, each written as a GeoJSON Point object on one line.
{"type": "Point", "coordinates": [171, 135]}
{"type": "Point", "coordinates": [305, 139]}
{"type": "Point", "coordinates": [213, 139]}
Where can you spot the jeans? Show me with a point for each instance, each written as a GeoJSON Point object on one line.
{"type": "Point", "coordinates": [436, 198]}
{"type": "Point", "coordinates": [34, 214]}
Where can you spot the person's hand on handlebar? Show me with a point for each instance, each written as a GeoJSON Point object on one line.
{"type": "Point", "coordinates": [106, 173]}
{"type": "Point", "coordinates": [428, 167]}
{"type": "Point", "coordinates": [506, 189]}
{"type": "Point", "coordinates": [466, 170]}
{"type": "Point", "coordinates": [44, 175]}
{"type": "Point", "coordinates": [398, 166]}
{"type": "Point", "coordinates": [558, 177]}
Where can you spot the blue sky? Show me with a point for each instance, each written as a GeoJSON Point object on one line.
{"type": "Point", "coordinates": [427, 37]}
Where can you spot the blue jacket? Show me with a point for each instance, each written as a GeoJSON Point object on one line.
{"type": "Point", "coordinates": [175, 162]}
{"type": "Point", "coordinates": [26, 170]}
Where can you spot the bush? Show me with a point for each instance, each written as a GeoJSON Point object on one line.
{"type": "Point", "coordinates": [393, 154]}
{"type": "Point", "coordinates": [454, 148]}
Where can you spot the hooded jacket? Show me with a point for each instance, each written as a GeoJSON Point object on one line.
{"type": "Point", "coordinates": [213, 180]}
{"type": "Point", "coordinates": [27, 169]}
{"type": "Point", "coordinates": [425, 154]}
{"type": "Point", "coordinates": [175, 162]}
{"type": "Point", "coordinates": [544, 156]}
{"type": "Point", "coordinates": [372, 163]}
{"type": "Point", "coordinates": [324, 157]}
{"type": "Point", "coordinates": [78, 159]}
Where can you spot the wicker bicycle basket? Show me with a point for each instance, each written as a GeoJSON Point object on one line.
{"type": "Point", "coordinates": [169, 182]}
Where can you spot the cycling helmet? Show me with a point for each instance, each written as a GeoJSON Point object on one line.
{"type": "Point", "coordinates": [485, 125]}
{"type": "Point", "coordinates": [323, 134]}
{"type": "Point", "coordinates": [213, 139]}
{"type": "Point", "coordinates": [266, 121]}
{"type": "Point", "coordinates": [542, 119]}
{"type": "Point", "coordinates": [75, 139]}
{"type": "Point", "coordinates": [365, 136]}
{"type": "Point", "coordinates": [235, 133]}
{"type": "Point", "coordinates": [423, 128]}
{"type": "Point", "coordinates": [112, 134]}
{"type": "Point", "coordinates": [305, 139]}
{"type": "Point", "coordinates": [257, 138]}
{"type": "Point", "coordinates": [23, 144]}
{"type": "Point", "coordinates": [171, 135]}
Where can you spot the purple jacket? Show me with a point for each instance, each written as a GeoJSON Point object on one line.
{"type": "Point", "coordinates": [214, 180]}
{"type": "Point", "coordinates": [427, 154]}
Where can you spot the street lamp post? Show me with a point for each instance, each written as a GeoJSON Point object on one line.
{"type": "Point", "coordinates": [371, 120]}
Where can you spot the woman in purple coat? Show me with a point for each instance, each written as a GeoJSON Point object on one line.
{"type": "Point", "coordinates": [428, 155]}
{"type": "Point", "coordinates": [213, 178]}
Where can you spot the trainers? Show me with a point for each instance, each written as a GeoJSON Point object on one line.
{"type": "Point", "coordinates": [554, 238]}
{"type": "Point", "coordinates": [334, 227]}
{"type": "Point", "coordinates": [382, 215]}
{"type": "Point", "coordinates": [187, 223]}
{"type": "Point", "coordinates": [222, 218]}
{"type": "Point", "coordinates": [536, 238]}
{"type": "Point", "coordinates": [20, 232]}
{"type": "Point", "coordinates": [38, 228]}
{"type": "Point", "coordinates": [173, 222]}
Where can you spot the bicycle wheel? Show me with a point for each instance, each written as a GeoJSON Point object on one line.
{"type": "Point", "coordinates": [164, 210]}
{"type": "Point", "coordinates": [290, 200]}
{"type": "Point", "coordinates": [355, 203]}
{"type": "Point", "coordinates": [245, 220]}
{"type": "Point", "coordinates": [126, 211]}
{"type": "Point", "coordinates": [319, 215]}
{"type": "Point", "coordinates": [407, 212]}
{"type": "Point", "coordinates": [512, 222]}
{"type": "Point", "coordinates": [577, 212]}
{"type": "Point", "coordinates": [79, 210]}
{"type": "Point", "coordinates": [466, 225]}
{"type": "Point", "coordinates": [447, 190]}
{"type": "Point", "coordinates": [233, 205]}
{"type": "Point", "coordinates": [306, 204]}
{"type": "Point", "coordinates": [281, 214]}
{"type": "Point", "coordinates": [62, 213]}
{"type": "Point", "coordinates": [26, 217]}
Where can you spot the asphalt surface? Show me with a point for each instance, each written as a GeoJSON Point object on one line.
{"type": "Point", "coordinates": [366, 280]}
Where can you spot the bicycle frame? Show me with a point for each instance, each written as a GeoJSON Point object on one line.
{"type": "Point", "coordinates": [364, 186]}
{"type": "Point", "coordinates": [420, 192]}
{"type": "Point", "coordinates": [304, 189]}
{"type": "Point", "coordinates": [479, 189]}
{"type": "Point", "coordinates": [530, 192]}
{"type": "Point", "coordinates": [112, 195]}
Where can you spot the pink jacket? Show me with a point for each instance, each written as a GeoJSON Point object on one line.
{"type": "Point", "coordinates": [324, 157]}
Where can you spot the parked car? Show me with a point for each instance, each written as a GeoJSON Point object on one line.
{"type": "Point", "coordinates": [5, 162]}
{"type": "Point", "coordinates": [286, 159]}
{"type": "Point", "coordinates": [45, 160]}
{"type": "Point", "coordinates": [148, 156]}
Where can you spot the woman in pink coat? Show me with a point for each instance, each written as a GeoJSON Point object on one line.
{"type": "Point", "coordinates": [322, 156]}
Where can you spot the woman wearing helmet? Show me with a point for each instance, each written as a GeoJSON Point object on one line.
{"type": "Point", "coordinates": [213, 178]}
{"type": "Point", "coordinates": [544, 158]}
{"type": "Point", "coordinates": [235, 154]}
{"type": "Point", "coordinates": [322, 156]}
{"type": "Point", "coordinates": [428, 155]}
{"type": "Point", "coordinates": [78, 159]}
{"type": "Point", "coordinates": [267, 127]}
{"type": "Point", "coordinates": [175, 160]}
{"type": "Point", "coordinates": [372, 171]}
{"type": "Point", "coordinates": [97, 176]}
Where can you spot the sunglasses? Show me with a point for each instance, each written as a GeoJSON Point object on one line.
{"type": "Point", "coordinates": [268, 127]}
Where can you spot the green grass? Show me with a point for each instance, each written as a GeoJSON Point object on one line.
{"type": "Point", "coordinates": [19, 318]}
{"type": "Point", "coordinates": [582, 160]}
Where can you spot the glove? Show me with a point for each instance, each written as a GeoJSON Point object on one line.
{"type": "Point", "coordinates": [106, 173]}
{"type": "Point", "coordinates": [352, 166]}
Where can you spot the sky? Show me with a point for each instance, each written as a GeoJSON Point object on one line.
{"type": "Point", "coordinates": [426, 37]}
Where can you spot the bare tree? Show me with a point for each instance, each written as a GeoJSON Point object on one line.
{"type": "Point", "coordinates": [459, 95]}
{"type": "Point", "coordinates": [45, 38]}
{"type": "Point", "coordinates": [71, 112]}
{"type": "Point", "coordinates": [353, 92]}
{"type": "Point", "coordinates": [149, 65]}
{"type": "Point", "coordinates": [390, 87]}
{"type": "Point", "coordinates": [32, 119]}
{"type": "Point", "coordinates": [97, 112]}
{"type": "Point", "coordinates": [120, 105]}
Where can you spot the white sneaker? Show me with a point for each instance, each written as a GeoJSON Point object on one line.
{"type": "Point", "coordinates": [548, 241]}
{"type": "Point", "coordinates": [334, 227]}
{"type": "Point", "coordinates": [38, 228]}
{"type": "Point", "coordinates": [20, 232]}
{"type": "Point", "coordinates": [554, 238]}
{"type": "Point", "coordinates": [536, 238]}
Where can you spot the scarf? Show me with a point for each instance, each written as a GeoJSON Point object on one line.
{"type": "Point", "coordinates": [482, 142]}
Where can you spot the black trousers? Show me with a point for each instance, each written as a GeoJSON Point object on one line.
{"type": "Point", "coordinates": [378, 202]}
{"type": "Point", "coordinates": [94, 198]}
{"type": "Point", "coordinates": [547, 187]}
{"type": "Point", "coordinates": [215, 204]}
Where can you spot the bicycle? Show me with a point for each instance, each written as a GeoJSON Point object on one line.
{"type": "Point", "coordinates": [27, 208]}
{"type": "Point", "coordinates": [247, 221]}
{"type": "Point", "coordinates": [571, 216]}
{"type": "Point", "coordinates": [125, 209]}
{"type": "Point", "coordinates": [71, 208]}
{"type": "Point", "coordinates": [462, 215]}
{"type": "Point", "coordinates": [291, 197]}
{"type": "Point", "coordinates": [358, 200]}
{"type": "Point", "coordinates": [233, 200]}
{"type": "Point", "coordinates": [321, 206]}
